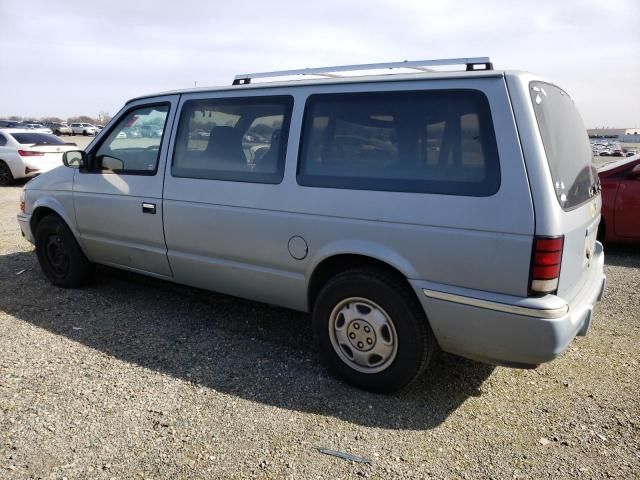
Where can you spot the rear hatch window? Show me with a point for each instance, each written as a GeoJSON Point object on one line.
{"type": "Point", "coordinates": [566, 144]}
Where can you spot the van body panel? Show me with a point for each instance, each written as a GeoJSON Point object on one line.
{"type": "Point", "coordinates": [113, 229]}
{"type": "Point", "coordinates": [510, 339]}
{"type": "Point", "coordinates": [467, 258]}
{"type": "Point", "coordinates": [577, 225]}
{"type": "Point", "coordinates": [257, 220]}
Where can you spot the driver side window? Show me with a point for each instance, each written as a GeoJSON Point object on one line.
{"type": "Point", "coordinates": [133, 146]}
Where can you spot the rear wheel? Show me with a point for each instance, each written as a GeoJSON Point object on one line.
{"type": "Point", "coordinates": [372, 330]}
{"type": "Point", "coordinates": [6, 177]}
{"type": "Point", "coordinates": [59, 255]}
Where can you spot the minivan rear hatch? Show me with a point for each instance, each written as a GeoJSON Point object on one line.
{"type": "Point", "coordinates": [575, 182]}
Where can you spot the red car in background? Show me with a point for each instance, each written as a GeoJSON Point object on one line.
{"type": "Point", "coordinates": [620, 183]}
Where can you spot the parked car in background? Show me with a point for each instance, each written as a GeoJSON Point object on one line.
{"type": "Point", "coordinates": [617, 153]}
{"type": "Point", "coordinates": [150, 131]}
{"type": "Point", "coordinates": [132, 132]}
{"type": "Point", "coordinates": [631, 153]}
{"type": "Point", "coordinates": [60, 129]}
{"type": "Point", "coordinates": [37, 127]}
{"type": "Point", "coordinates": [620, 182]}
{"type": "Point", "coordinates": [10, 124]}
{"type": "Point", "coordinates": [83, 129]}
{"type": "Point", "coordinates": [25, 153]}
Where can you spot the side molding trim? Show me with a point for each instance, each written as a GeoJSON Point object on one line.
{"type": "Point", "coordinates": [499, 307]}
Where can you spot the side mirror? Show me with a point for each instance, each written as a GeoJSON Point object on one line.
{"type": "Point", "coordinates": [635, 172]}
{"type": "Point", "coordinates": [74, 159]}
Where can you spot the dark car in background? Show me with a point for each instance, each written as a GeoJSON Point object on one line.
{"type": "Point", "coordinates": [10, 124]}
{"type": "Point", "coordinates": [620, 183]}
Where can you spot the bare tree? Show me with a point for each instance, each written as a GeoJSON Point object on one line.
{"type": "Point", "coordinates": [51, 119]}
{"type": "Point", "coordinates": [82, 119]}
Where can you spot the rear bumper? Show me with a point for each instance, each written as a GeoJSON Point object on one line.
{"type": "Point", "coordinates": [507, 330]}
{"type": "Point", "coordinates": [24, 220]}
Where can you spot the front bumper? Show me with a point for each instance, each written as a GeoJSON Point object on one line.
{"type": "Point", "coordinates": [24, 220]}
{"type": "Point", "coordinates": [506, 330]}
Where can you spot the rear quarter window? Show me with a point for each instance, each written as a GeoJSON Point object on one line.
{"type": "Point", "coordinates": [566, 144]}
{"type": "Point", "coordinates": [417, 141]}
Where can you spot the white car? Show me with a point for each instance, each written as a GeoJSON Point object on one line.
{"type": "Point", "coordinates": [83, 129]}
{"type": "Point", "coordinates": [26, 153]}
{"type": "Point", "coordinates": [38, 127]}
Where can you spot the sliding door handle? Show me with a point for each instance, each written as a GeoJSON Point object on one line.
{"type": "Point", "coordinates": [149, 208]}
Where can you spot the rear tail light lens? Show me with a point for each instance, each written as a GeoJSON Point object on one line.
{"type": "Point", "coordinates": [545, 264]}
{"type": "Point", "coordinates": [30, 153]}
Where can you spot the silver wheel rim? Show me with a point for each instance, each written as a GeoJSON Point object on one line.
{"type": "Point", "coordinates": [363, 335]}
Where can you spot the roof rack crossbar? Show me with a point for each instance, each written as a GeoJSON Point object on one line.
{"type": "Point", "coordinates": [420, 65]}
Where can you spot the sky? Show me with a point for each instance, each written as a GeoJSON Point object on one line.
{"type": "Point", "coordinates": [64, 58]}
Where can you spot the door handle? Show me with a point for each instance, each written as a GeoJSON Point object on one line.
{"type": "Point", "coordinates": [149, 208]}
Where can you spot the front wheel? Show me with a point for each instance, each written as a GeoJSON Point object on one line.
{"type": "Point", "coordinates": [60, 257]}
{"type": "Point", "coordinates": [372, 330]}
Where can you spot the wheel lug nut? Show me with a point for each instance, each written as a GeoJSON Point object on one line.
{"type": "Point", "coordinates": [369, 341]}
{"type": "Point", "coordinates": [352, 335]}
{"type": "Point", "coordinates": [356, 326]}
{"type": "Point", "coordinates": [367, 329]}
{"type": "Point", "coordinates": [360, 345]}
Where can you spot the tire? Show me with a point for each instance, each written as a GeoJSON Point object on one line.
{"type": "Point", "coordinates": [59, 255]}
{"type": "Point", "coordinates": [372, 331]}
{"type": "Point", "coordinates": [6, 177]}
{"type": "Point", "coordinates": [84, 132]}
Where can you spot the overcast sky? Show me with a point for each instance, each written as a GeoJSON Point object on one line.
{"type": "Point", "coordinates": [73, 57]}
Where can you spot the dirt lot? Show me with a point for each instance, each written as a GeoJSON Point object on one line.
{"type": "Point", "coordinates": [138, 378]}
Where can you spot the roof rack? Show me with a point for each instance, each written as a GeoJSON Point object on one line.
{"type": "Point", "coordinates": [329, 72]}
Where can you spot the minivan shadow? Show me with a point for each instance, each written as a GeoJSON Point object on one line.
{"type": "Point", "coordinates": [622, 255]}
{"type": "Point", "coordinates": [254, 351]}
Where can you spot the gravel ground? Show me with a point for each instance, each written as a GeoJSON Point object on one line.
{"type": "Point", "coordinates": [138, 378]}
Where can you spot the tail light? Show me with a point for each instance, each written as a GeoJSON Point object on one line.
{"type": "Point", "coordinates": [545, 264]}
{"type": "Point", "coordinates": [29, 153]}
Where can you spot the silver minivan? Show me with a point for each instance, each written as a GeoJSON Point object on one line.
{"type": "Point", "coordinates": [406, 211]}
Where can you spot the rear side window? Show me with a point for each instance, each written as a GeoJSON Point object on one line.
{"type": "Point", "coordinates": [420, 141]}
{"type": "Point", "coordinates": [233, 139]}
{"type": "Point", "coordinates": [37, 139]}
{"type": "Point", "coordinates": [566, 144]}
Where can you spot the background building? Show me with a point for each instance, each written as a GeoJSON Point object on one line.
{"type": "Point", "coordinates": [621, 134]}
